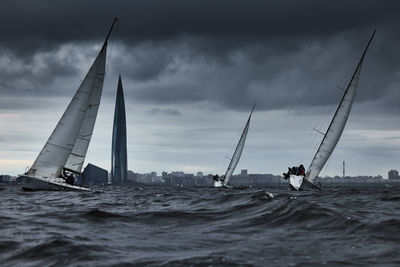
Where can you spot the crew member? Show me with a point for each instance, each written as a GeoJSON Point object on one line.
{"type": "Point", "coordinates": [295, 171]}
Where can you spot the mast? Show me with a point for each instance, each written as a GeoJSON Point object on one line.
{"type": "Point", "coordinates": [109, 33]}
{"type": "Point", "coordinates": [238, 151]}
{"type": "Point", "coordinates": [338, 122]}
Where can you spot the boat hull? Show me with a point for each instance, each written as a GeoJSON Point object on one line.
{"type": "Point", "coordinates": [33, 184]}
{"type": "Point", "coordinates": [217, 183]}
{"type": "Point", "coordinates": [297, 182]}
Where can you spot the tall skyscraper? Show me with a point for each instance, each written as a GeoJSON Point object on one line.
{"type": "Point", "coordinates": [119, 167]}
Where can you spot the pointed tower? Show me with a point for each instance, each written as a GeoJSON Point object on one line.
{"type": "Point", "coordinates": [119, 167]}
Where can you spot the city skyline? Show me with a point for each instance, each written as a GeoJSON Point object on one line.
{"type": "Point", "coordinates": [192, 71]}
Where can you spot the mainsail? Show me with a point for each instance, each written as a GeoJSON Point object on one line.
{"type": "Point", "coordinates": [95, 82]}
{"type": "Point", "coordinates": [337, 124]}
{"type": "Point", "coordinates": [68, 143]}
{"type": "Point", "coordinates": [238, 151]}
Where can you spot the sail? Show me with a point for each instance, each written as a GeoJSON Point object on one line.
{"type": "Point", "coordinates": [337, 124]}
{"type": "Point", "coordinates": [95, 82]}
{"type": "Point", "coordinates": [71, 134]}
{"type": "Point", "coordinates": [56, 151]}
{"type": "Point", "coordinates": [238, 151]}
{"type": "Point", "coordinates": [119, 168]}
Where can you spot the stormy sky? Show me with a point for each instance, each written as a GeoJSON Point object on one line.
{"type": "Point", "coordinates": [191, 72]}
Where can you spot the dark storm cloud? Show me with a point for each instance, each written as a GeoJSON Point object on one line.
{"type": "Point", "coordinates": [33, 24]}
{"type": "Point", "coordinates": [21, 75]}
{"type": "Point", "coordinates": [280, 54]}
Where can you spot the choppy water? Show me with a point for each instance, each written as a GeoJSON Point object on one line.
{"type": "Point", "coordinates": [201, 226]}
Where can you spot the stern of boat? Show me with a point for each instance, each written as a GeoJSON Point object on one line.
{"type": "Point", "coordinates": [217, 183]}
{"type": "Point", "coordinates": [33, 183]}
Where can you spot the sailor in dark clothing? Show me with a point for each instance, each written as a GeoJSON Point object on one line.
{"type": "Point", "coordinates": [70, 179]}
{"type": "Point", "coordinates": [301, 170]}
{"type": "Point", "coordinates": [295, 171]}
{"type": "Point", "coordinates": [216, 178]}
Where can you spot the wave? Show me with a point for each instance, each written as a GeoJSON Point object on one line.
{"type": "Point", "coordinates": [54, 251]}
{"type": "Point", "coordinates": [97, 214]}
{"type": "Point", "coordinates": [201, 226]}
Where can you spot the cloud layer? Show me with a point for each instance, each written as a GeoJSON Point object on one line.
{"type": "Point", "coordinates": [192, 70]}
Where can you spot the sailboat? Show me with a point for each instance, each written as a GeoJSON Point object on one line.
{"type": "Point", "coordinates": [333, 133]}
{"type": "Point", "coordinates": [63, 154]}
{"type": "Point", "coordinates": [236, 155]}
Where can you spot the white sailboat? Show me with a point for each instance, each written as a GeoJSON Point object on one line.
{"type": "Point", "coordinates": [64, 152]}
{"type": "Point", "coordinates": [236, 155]}
{"type": "Point", "coordinates": [333, 133]}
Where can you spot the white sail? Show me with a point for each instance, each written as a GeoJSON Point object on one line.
{"type": "Point", "coordinates": [95, 81]}
{"type": "Point", "coordinates": [71, 136]}
{"type": "Point", "coordinates": [56, 151]}
{"type": "Point", "coordinates": [238, 152]}
{"type": "Point", "coordinates": [337, 124]}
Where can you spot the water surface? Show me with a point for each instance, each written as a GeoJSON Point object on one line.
{"type": "Point", "coordinates": [171, 226]}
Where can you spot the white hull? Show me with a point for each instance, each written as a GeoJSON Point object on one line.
{"type": "Point", "coordinates": [217, 183]}
{"type": "Point", "coordinates": [32, 184]}
{"type": "Point", "coordinates": [297, 182]}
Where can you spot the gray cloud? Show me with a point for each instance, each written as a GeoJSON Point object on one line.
{"type": "Point", "coordinates": [208, 60]}
{"type": "Point", "coordinates": [47, 22]}
{"type": "Point", "coordinates": [281, 54]}
{"type": "Point", "coordinates": [167, 111]}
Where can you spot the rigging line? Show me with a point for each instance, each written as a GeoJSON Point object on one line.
{"type": "Point", "coordinates": [318, 123]}
{"type": "Point", "coordinates": [114, 33]}
{"type": "Point", "coordinates": [358, 68]}
{"type": "Point", "coordinates": [306, 152]}
{"type": "Point", "coordinates": [319, 132]}
{"type": "Point", "coordinates": [312, 137]}
{"type": "Point", "coordinates": [324, 115]}
{"type": "Point", "coordinates": [327, 110]}
{"type": "Point", "coordinates": [111, 42]}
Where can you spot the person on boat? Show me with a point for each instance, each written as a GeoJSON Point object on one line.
{"type": "Point", "coordinates": [216, 178]}
{"type": "Point", "coordinates": [68, 177]}
{"type": "Point", "coordinates": [295, 171]}
{"type": "Point", "coordinates": [301, 170]}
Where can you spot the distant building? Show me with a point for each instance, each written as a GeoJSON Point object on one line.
{"type": "Point", "coordinates": [186, 179]}
{"type": "Point", "coordinates": [132, 176]}
{"type": "Point", "coordinates": [178, 174]}
{"type": "Point", "coordinates": [199, 174]}
{"type": "Point", "coordinates": [243, 172]}
{"type": "Point", "coordinates": [119, 165]}
{"type": "Point", "coordinates": [5, 178]}
{"type": "Point", "coordinates": [93, 175]}
{"type": "Point", "coordinates": [393, 175]}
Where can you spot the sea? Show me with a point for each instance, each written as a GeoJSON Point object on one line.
{"type": "Point", "coordinates": [200, 226]}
